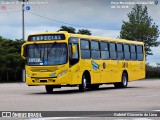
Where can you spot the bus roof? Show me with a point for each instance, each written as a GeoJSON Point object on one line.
{"type": "Point", "coordinates": [92, 37]}
{"type": "Point", "coordinates": [106, 39]}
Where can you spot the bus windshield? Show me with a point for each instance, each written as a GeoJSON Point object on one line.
{"type": "Point", "coordinates": [47, 54]}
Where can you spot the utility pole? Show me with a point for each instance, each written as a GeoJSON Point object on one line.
{"type": "Point", "coordinates": [23, 31]}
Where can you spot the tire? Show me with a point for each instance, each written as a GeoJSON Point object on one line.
{"type": "Point", "coordinates": [123, 83]}
{"type": "Point", "coordinates": [49, 89]}
{"type": "Point", "coordinates": [83, 86]}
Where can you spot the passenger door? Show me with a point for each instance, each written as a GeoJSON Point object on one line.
{"type": "Point", "coordinates": [74, 60]}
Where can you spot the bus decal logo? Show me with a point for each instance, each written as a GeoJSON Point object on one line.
{"type": "Point", "coordinates": [38, 60]}
{"type": "Point", "coordinates": [95, 66]}
{"type": "Point", "coordinates": [45, 62]}
{"type": "Point", "coordinates": [52, 74]}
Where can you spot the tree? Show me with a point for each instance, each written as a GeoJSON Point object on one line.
{"type": "Point", "coordinates": [140, 28]}
{"type": "Point", "coordinates": [11, 63]}
{"type": "Point", "coordinates": [84, 31]}
{"type": "Point", "coordinates": [68, 29]}
{"type": "Point", "coordinates": [73, 30]}
{"type": "Point", "coordinates": [158, 64]}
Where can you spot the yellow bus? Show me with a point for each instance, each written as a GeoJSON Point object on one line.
{"type": "Point", "coordinates": [57, 59]}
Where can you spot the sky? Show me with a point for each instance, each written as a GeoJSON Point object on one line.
{"type": "Point", "coordinates": [102, 17]}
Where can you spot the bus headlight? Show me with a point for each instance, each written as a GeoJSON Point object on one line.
{"type": "Point", "coordinates": [59, 75]}
{"type": "Point", "coordinates": [62, 73]}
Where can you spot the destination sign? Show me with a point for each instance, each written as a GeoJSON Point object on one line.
{"type": "Point", "coordinates": [46, 37]}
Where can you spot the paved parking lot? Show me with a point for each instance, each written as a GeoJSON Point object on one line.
{"type": "Point", "coordinates": [143, 95]}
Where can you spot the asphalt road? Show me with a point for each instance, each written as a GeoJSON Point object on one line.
{"type": "Point", "coordinates": [143, 95]}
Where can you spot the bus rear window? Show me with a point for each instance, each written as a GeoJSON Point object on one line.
{"type": "Point", "coordinates": [139, 49]}
{"type": "Point", "coordinates": [140, 54]}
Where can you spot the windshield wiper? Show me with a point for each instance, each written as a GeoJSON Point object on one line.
{"type": "Point", "coordinates": [49, 50]}
{"type": "Point", "coordinates": [39, 50]}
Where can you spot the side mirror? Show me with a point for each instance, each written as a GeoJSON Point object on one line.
{"type": "Point", "coordinates": [24, 51]}
{"type": "Point", "coordinates": [74, 49]}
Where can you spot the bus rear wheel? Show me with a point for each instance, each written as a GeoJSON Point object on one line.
{"type": "Point", "coordinates": [123, 83]}
{"type": "Point", "coordinates": [49, 88]}
{"type": "Point", "coordinates": [83, 85]}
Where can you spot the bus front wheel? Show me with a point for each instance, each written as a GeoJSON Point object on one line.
{"type": "Point", "coordinates": [83, 85]}
{"type": "Point", "coordinates": [123, 83]}
{"type": "Point", "coordinates": [49, 88]}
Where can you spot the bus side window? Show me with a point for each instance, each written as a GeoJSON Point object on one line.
{"type": "Point", "coordinates": [140, 52]}
{"type": "Point", "coordinates": [104, 50]}
{"type": "Point", "coordinates": [126, 52]}
{"type": "Point", "coordinates": [120, 53]}
{"type": "Point", "coordinates": [73, 57]}
{"type": "Point", "coordinates": [133, 52]}
{"type": "Point", "coordinates": [85, 49]}
{"type": "Point", "coordinates": [95, 52]}
{"type": "Point", "coordinates": [112, 50]}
